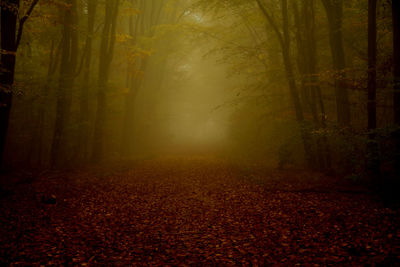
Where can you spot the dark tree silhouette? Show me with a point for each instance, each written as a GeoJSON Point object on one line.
{"type": "Point", "coordinates": [10, 39]}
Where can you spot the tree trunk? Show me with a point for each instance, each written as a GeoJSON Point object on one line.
{"type": "Point", "coordinates": [39, 133]}
{"type": "Point", "coordinates": [306, 54]}
{"type": "Point", "coordinates": [372, 48]}
{"type": "Point", "coordinates": [396, 60]}
{"type": "Point", "coordinates": [305, 133]}
{"type": "Point", "coordinates": [334, 11]}
{"type": "Point", "coordinates": [128, 121]}
{"type": "Point", "coordinates": [9, 14]}
{"type": "Point", "coordinates": [284, 40]}
{"type": "Point", "coordinates": [83, 141]}
{"type": "Point", "coordinates": [372, 157]}
{"type": "Point", "coordinates": [317, 101]}
{"type": "Point", "coordinates": [69, 58]}
{"type": "Point", "coordinates": [153, 12]}
{"type": "Point", "coordinates": [396, 84]}
{"type": "Point", "coordinates": [133, 88]}
{"type": "Point", "coordinates": [106, 56]}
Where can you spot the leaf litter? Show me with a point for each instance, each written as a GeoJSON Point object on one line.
{"type": "Point", "coordinates": [195, 211]}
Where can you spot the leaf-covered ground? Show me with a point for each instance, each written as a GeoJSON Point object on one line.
{"type": "Point", "coordinates": [194, 211]}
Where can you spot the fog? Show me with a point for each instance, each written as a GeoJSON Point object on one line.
{"type": "Point", "coordinates": [199, 132]}
{"type": "Point", "coordinates": [272, 82]}
{"type": "Point", "coordinates": [190, 112]}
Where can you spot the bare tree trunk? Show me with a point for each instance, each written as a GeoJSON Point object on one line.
{"type": "Point", "coordinates": [284, 39]}
{"type": "Point", "coordinates": [396, 84]}
{"type": "Point", "coordinates": [133, 89]}
{"type": "Point", "coordinates": [307, 50]}
{"type": "Point", "coordinates": [106, 56]}
{"type": "Point", "coordinates": [373, 156]}
{"type": "Point", "coordinates": [83, 141]}
{"type": "Point", "coordinates": [150, 16]}
{"type": "Point", "coordinates": [39, 138]}
{"type": "Point", "coordinates": [69, 58]}
{"type": "Point", "coordinates": [10, 39]}
{"type": "Point", "coordinates": [128, 121]}
{"type": "Point", "coordinates": [9, 14]}
{"type": "Point", "coordinates": [304, 63]}
{"type": "Point", "coordinates": [372, 48]}
{"type": "Point", "coordinates": [334, 11]}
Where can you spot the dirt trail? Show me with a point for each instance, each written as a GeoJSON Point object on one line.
{"type": "Point", "coordinates": [192, 211]}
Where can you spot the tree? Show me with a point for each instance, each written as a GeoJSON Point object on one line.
{"type": "Point", "coordinates": [373, 158]}
{"type": "Point", "coordinates": [10, 39]}
{"type": "Point", "coordinates": [334, 12]}
{"type": "Point", "coordinates": [285, 43]}
{"type": "Point", "coordinates": [140, 25]}
{"type": "Point", "coordinates": [136, 28]}
{"type": "Point", "coordinates": [83, 141]}
{"type": "Point", "coordinates": [307, 65]}
{"type": "Point", "coordinates": [396, 82]}
{"type": "Point", "coordinates": [69, 57]}
{"type": "Point", "coordinates": [38, 139]}
{"type": "Point", "coordinates": [106, 55]}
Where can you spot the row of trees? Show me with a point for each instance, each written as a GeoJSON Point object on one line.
{"type": "Point", "coordinates": [77, 60]}
{"type": "Point", "coordinates": [339, 60]}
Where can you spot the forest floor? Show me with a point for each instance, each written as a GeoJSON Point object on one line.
{"type": "Point", "coordinates": [194, 211]}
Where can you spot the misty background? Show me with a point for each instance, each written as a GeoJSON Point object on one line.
{"type": "Point", "coordinates": [282, 83]}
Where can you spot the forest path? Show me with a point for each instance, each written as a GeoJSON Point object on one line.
{"type": "Point", "coordinates": [193, 211]}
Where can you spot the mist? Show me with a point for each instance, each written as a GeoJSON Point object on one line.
{"type": "Point", "coordinates": [199, 132]}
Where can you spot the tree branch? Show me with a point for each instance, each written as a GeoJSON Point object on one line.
{"type": "Point", "coordinates": [22, 22]}
{"type": "Point", "coordinates": [271, 22]}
